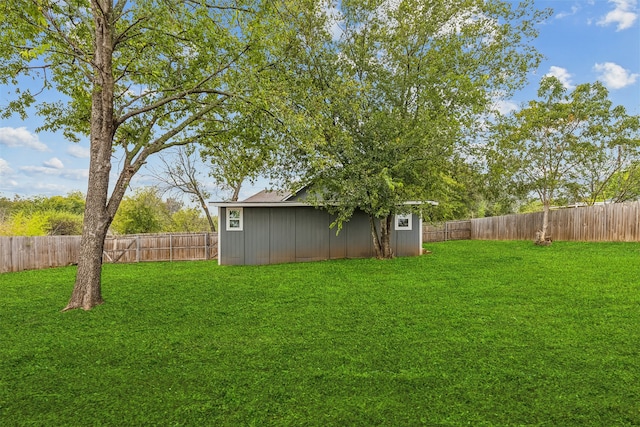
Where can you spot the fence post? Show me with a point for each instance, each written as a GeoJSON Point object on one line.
{"type": "Point", "coordinates": [170, 247]}
{"type": "Point", "coordinates": [206, 246]}
{"type": "Point", "coordinates": [137, 248]}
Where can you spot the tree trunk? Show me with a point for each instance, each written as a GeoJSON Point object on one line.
{"type": "Point", "coordinates": [541, 235]}
{"type": "Point", "coordinates": [205, 208]}
{"type": "Point", "coordinates": [212, 225]}
{"type": "Point", "coordinates": [236, 190]}
{"type": "Point", "coordinates": [87, 290]}
{"type": "Point", "coordinates": [377, 247]}
{"type": "Point", "coordinates": [385, 236]}
{"type": "Point", "coordinates": [382, 243]}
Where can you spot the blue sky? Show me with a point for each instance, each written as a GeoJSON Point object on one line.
{"type": "Point", "coordinates": [584, 41]}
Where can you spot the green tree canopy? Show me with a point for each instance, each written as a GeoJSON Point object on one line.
{"type": "Point", "coordinates": [142, 212]}
{"type": "Point", "coordinates": [564, 143]}
{"type": "Point", "coordinates": [42, 215]}
{"type": "Point", "coordinates": [396, 90]}
{"type": "Point", "coordinates": [138, 77]}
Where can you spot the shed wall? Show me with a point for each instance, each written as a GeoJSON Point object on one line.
{"type": "Point", "coordinates": [312, 234]}
{"type": "Point", "coordinates": [230, 243]}
{"type": "Point", "coordinates": [282, 242]}
{"type": "Point", "coordinates": [292, 234]}
{"type": "Point", "coordinates": [358, 231]}
{"type": "Point", "coordinates": [257, 236]}
{"type": "Point", "coordinates": [337, 244]}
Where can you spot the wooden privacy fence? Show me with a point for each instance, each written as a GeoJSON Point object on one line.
{"type": "Point", "coordinates": [618, 222]}
{"type": "Point", "coordinates": [161, 247]}
{"type": "Point", "coordinates": [451, 230]}
{"type": "Point", "coordinates": [27, 253]}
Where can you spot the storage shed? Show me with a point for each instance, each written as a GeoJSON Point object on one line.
{"type": "Point", "coordinates": [272, 227]}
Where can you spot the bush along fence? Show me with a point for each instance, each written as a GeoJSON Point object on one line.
{"type": "Point", "coordinates": [28, 253]}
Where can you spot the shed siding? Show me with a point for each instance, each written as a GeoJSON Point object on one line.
{"type": "Point", "coordinates": [282, 231]}
{"type": "Point", "coordinates": [337, 243]}
{"type": "Point", "coordinates": [289, 234]}
{"type": "Point", "coordinates": [256, 236]}
{"type": "Point", "coordinates": [231, 242]}
{"type": "Point", "coordinates": [312, 234]}
{"type": "Point", "coordinates": [358, 231]}
{"type": "Point", "coordinates": [407, 242]}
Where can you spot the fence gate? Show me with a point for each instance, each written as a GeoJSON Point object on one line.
{"type": "Point", "coordinates": [450, 230]}
{"type": "Point", "coordinates": [116, 248]}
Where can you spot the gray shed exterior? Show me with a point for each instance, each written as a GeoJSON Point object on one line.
{"type": "Point", "coordinates": [294, 232]}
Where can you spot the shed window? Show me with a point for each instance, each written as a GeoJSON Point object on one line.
{"type": "Point", "coordinates": [403, 222]}
{"type": "Point", "coordinates": [234, 219]}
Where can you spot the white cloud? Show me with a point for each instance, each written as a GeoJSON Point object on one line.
{"type": "Point", "coordinates": [30, 187]}
{"type": "Point", "coordinates": [623, 14]}
{"type": "Point", "coordinates": [561, 15]}
{"type": "Point", "coordinates": [73, 174]}
{"type": "Point", "coordinates": [50, 188]}
{"type": "Point", "coordinates": [614, 76]}
{"type": "Point", "coordinates": [505, 107]}
{"type": "Point", "coordinates": [54, 163]}
{"type": "Point", "coordinates": [21, 137]}
{"type": "Point", "coordinates": [37, 170]}
{"type": "Point", "coordinates": [9, 185]}
{"type": "Point", "coordinates": [561, 74]}
{"type": "Point", "coordinates": [78, 151]}
{"type": "Point", "coordinates": [5, 169]}
{"type": "Point", "coordinates": [76, 174]}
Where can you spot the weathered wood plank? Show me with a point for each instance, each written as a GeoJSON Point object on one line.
{"type": "Point", "coordinates": [606, 223]}
{"type": "Point", "coordinates": [19, 253]}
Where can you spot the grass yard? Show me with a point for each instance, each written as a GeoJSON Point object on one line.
{"type": "Point", "coordinates": [477, 333]}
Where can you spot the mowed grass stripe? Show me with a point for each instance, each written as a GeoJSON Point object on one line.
{"type": "Point", "coordinates": [479, 333]}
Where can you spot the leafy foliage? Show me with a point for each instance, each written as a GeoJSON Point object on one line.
{"type": "Point", "coordinates": [41, 223]}
{"type": "Point", "coordinates": [142, 212]}
{"type": "Point", "coordinates": [40, 215]}
{"type": "Point", "coordinates": [189, 220]}
{"type": "Point", "coordinates": [138, 78]}
{"type": "Point", "coordinates": [396, 91]}
{"type": "Point", "coordinates": [146, 212]}
{"type": "Point", "coordinates": [21, 224]}
{"type": "Point", "coordinates": [569, 144]}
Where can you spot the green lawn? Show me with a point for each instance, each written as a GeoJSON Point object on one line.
{"type": "Point", "coordinates": [477, 333]}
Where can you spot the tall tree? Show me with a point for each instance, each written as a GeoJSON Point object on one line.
{"type": "Point", "coordinates": [396, 85]}
{"type": "Point", "coordinates": [246, 150]}
{"type": "Point", "coordinates": [182, 173]}
{"type": "Point", "coordinates": [137, 77]}
{"type": "Point", "coordinates": [611, 172]}
{"type": "Point", "coordinates": [565, 142]}
{"type": "Point", "coordinates": [624, 184]}
{"type": "Point", "coordinates": [242, 154]}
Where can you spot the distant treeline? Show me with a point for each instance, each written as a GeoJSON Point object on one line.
{"type": "Point", "coordinates": [145, 211]}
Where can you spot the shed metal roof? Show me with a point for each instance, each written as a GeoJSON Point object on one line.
{"type": "Point", "coordinates": [280, 199]}
{"type": "Point", "coordinates": [267, 196]}
{"type": "Point", "coordinates": [276, 199]}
